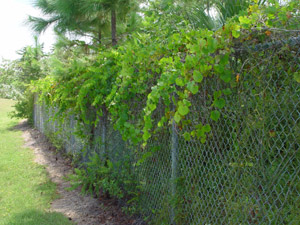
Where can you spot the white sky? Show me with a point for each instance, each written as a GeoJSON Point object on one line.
{"type": "Point", "coordinates": [14, 34]}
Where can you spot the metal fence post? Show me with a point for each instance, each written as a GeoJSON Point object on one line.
{"type": "Point", "coordinates": [103, 132]}
{"type": "Point", "coordinates": [72, 137]}
{"type": "Point", "coordinates": [34, 109]}
{"type": "Point", "coordinates": [174, 157]}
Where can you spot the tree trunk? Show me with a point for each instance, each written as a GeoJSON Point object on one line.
{"type": "Point", "coordinates": [113, 27]}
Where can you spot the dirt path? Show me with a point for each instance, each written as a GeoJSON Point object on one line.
{"type": "Point", "coordinates": [82, 210]}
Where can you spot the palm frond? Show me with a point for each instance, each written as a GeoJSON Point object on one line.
{"type": "Point", "coordinates": [229, 8]}
{"type": "Point", "coordinates": [39, 25]}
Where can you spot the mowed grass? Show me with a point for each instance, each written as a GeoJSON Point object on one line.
{"type": "Point", "coordinates": [25, 189]}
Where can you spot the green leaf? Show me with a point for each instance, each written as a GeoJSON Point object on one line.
{"type": "Point", "coordinates": [148, 122]}
{"type": "Point", "coordinates": [297, 76]}
{"type": "Point", "coordinates": [192, 87]}
{"type": "Point", "coordinates": [183, 110]}
{"type": "Point", "coordinates": [227, 91]}
{"type": "Point", "coordinates": [110, 164]}
{"type": "Point", "coordinates": [187, 136]}
{"type": "Point", "coordinates": [244, 20]}
{"type": "Point", "coordinates": [193, 133]}
{"type": "Point", "coordinates": [200, 132]}
{"type": "Point", "coordinates": [220, 103]}
{"type": "Point", "coordinates": [215, 115]}
{"type": "Point", "coordinates": [219, 68]}
{"type": "Point", "coordinates": [189, 61]}
{"type": "Point", "coordinates": [187, 102]}
{"type": "Point", "coordinates": [236, 34]}
{"type": "Point", "coordinates": [177, 117]}
{"type": "Point", "coordinates": [127, 125]}
{"type": "Point", "coordinates": [179, 82]}
{"type": "Point", "coordinates": [146, 135]}
{"type": "Point", "coordinates": [212, 44]}
{"type": "Point", "coordinates": [207, 128]}
{"type": "Point", "coordinates": [199, 126]}
{"type": "Point", "coordinates": [224, 60]}
{"type": "Point", "coordinates": [226, 76]}
{"type": "Point", "coordinates": [197, 76]}
{"type": "Point", "coordinates": [217, 94]}
{"type": "Point", "coordinates": [236, 31]}
{"type": "Point", "coordinates": [204, 68]}
{"type": "Point", "coordinates": [152, 107]}
{"type": "Point", "coordinates": [193, 48]}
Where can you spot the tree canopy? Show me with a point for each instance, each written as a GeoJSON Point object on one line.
{"type": "Point", "coordinates": [83, 17]}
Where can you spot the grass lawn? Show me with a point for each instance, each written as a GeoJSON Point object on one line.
{"type": "Point", "coordinates": [25, 189]}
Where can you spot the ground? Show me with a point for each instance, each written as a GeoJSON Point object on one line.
{"type": "Point", "coordinates": [25, 189]}
{"type": "Point", "coordinates": [75, 207]}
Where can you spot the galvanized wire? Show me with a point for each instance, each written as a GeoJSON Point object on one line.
{"type": "Point", "coordinates": [247, 171]}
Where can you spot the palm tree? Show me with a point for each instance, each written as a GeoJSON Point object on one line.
{"type": "Point", "coordinates": [82, 17]}
{"type": "Point", "coordinates": [68, 16]}
{"type": "Point", "coordinates": [112, 7]}
{"type": "Point", "coordinates": [210, 14]}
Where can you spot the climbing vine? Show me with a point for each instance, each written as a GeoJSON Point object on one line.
{"type": "Point", "coordinates": [152, 81]}
{"type": "Point", "coordinates": [132, 80]}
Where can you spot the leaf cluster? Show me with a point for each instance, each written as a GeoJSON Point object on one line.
{"type": "Point", "coordinates": [145, 73]}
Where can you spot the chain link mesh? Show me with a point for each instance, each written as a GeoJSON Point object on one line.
{"type": "Point", "coordinates": [247, 171]}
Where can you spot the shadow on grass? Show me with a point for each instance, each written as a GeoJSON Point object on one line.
{"type": "Point", "coordinates": [35, 217]}
{"type": "Point", "coordinates": [18, 126]}
{"type": "Point", "coordinates": [9, 126]}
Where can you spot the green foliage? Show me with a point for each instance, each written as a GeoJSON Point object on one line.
{"type": "Point", "coordinates": [24, 107]}
{"type": "Point", "coordinates": [8, 80]}
{"type": "Point", "coordinates": [28, 68]}
{"type": "Point", "coordinates": [174, 201]}
{"type": "Point", "coordinates": [16, 76]}
{"type": "Point", "coordinates": [86, 18]}
{"type": "Point", "coordinates": [144, 70]}
{"type": "Point", "coordinates": [168, 66]}
{"type": "Point", "coordinates": [102, 177]}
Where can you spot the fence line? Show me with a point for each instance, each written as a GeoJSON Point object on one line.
{"type": "Point", "coordinates": [247, 172]}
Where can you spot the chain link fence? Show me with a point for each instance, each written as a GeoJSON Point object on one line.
{"type": "Point", "coordinates": [247, 171]}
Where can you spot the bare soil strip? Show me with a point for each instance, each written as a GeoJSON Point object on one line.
{"type": "Point", "coordinates": [82, 210]}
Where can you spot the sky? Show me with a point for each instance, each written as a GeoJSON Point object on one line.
{"type": "Point", "coordinates": [14, 33]}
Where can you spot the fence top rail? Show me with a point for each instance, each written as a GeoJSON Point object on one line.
{"type": "Point", "coordinates": [291, 42]}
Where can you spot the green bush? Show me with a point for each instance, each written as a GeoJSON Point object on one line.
{"type": "Point", "coordinates": [24, 107]}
